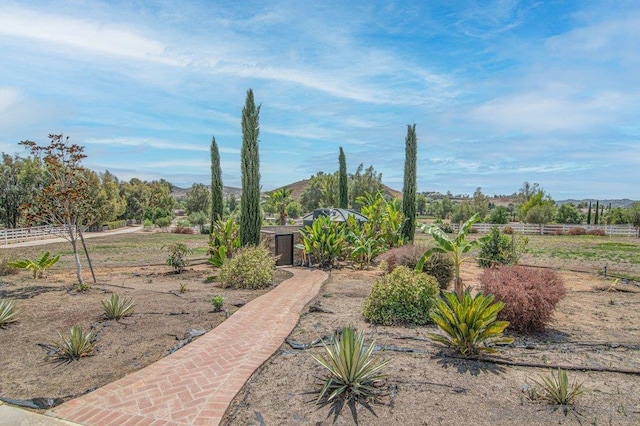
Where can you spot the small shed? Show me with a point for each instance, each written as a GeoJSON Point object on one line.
{"type": "Point", "coordinates": [336, 214]}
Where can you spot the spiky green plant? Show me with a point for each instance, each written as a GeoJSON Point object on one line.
{"type": "Point", "coordinates": [217, 302]}
{"type": "Point", "coordinates": [469, 324]}
{"type": "Point", "coordinates": [116, 307]}
{"type": "Point", "coordinates": [352, 368]}
{"type": "Point", "coordinates": [557, 390]}
{"type": "Point", "coordinates": [76, 345]}
{"type": "Point", "coordinates": [7, 312]}
{"type": "Point", "coordinates": [41, 264]}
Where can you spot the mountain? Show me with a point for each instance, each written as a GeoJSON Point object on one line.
{"type": "Point", "coordinates": [297, 188]}
{"type": "Point", "coordinates": [181, 193]}
{"type": "Point", "coordinates": [624, 202]}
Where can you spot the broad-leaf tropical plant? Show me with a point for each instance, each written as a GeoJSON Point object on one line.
{"type": "Point", "coordinates": [469, 323]}
{"type": "Point", "coordinates": [457, 248]}
{"type": "Point", "coordinates": [41, 264]}
{"type": "Point", "coordinates": [324, 240]}
{"type": "Point", "coordinates": [225, 241]}
{"type": "Point", "coordinates": [352, 368]}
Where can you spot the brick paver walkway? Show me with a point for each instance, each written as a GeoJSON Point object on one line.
{"type": "Point", "coordinates": [195, 385]}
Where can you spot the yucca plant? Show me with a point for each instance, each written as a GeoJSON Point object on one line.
{"type": "Point", "coordinates": [469, 324]}
{"type": "Point", "coordinates": [41, 264]}
{"type": "Point", "coordinates": [352, 368]}
{"type": "Point", "coordinates": [75, 346]}
{"type": "Point", "coordinates": [116, 307]}
{"type": "Point", "coordinates": [7, 312]}
{"type": "Point", "coordinates": [557, 390]}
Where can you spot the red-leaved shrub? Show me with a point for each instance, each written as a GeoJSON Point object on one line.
{"type": "Point", "coordinates": [507, 230]}
{"type": "Point", "coordinates": [577, 231]}
{"type": "Point", "coordinates": [407, 255]}
{"type": "Point", "coordinates": [183, 230]}
{"type": "Point", "coordinates": [530, 294]}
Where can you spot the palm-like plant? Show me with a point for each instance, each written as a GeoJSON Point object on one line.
{"type": "Point", "coordinates": [324, 240]}
{"type": "Point", "coordinates": [116, 307]}
{"type": "Point", "coordinates": [41, 264]}
{"type": "Point", "coordinates": [7, 312]}
{"type": "Point", "coordinates": [278, 200]}
{"type": "Point", "coordinates": [557, 390]}
{"type": "Point", "coordinates": [352, 368]}
{"type": "Point", "coordinates": [469, 323]}
{"type": "Point", "coordinates": [75, 346]}
{"type": "Point", "coordinates": [225, 241]}
{"type": "Point", "coordinates": [457, 248]}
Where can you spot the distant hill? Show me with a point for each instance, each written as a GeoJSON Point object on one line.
{"type": "Point", "coordinates": [297, 188]}
{"type": "Point", "coordinates": [181, 193]}
{"type": "Point", "coordinates": [625, 202]}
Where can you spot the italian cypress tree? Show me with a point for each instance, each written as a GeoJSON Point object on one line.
{"type": "Point", "coordinates": [595, 218]}
{"type": "Point", "coordinates": [589, 214]}
{"type": "Point", "coordinates": [250, 218]}
{"type": "Point", "coordinates": [409, 188]}
{"type": "Point", "coordinates": [344, 194]}
{"type": "Point", "coordinates": [217, 197]}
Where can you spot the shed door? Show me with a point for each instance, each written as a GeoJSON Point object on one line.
{"type": "Point", "coordinates": [284, 248]}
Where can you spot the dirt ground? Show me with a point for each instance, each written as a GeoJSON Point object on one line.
{"type": "Point", "coordinates": [163, 317]}
{"type": "Point", "coordinates": [592, 328]}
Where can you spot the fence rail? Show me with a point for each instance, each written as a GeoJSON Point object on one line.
{"type": "Point", "coordinates": [19, 235]}
{"type": "Point", "coordinates": [526, 228]}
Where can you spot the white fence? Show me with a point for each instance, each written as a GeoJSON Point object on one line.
{"type": "Point", "coordinates": [19, 235]}
{"type": "Point", "coordinates": [526, 228]}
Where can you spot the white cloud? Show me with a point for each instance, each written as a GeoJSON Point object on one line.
{"type": "Point", "coordinates": [154, 143]}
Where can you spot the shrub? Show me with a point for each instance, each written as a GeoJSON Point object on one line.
{"type": "Point", "coordinates": [7, 312]}
{"type": "Point", "coordinates": [183, 230]}
{"type": "Point", "coordinates": [407, 255]}
{"type": "Point", "coordinates": [5, 268]}
{"type": "Point", "coordinates": [116, 224]}
{"type": "Point", "coordinates": [217, 302]}
{"type": "Point", "coordinates": [439, 266]}
{"type": "Point", "coordinates": [530, 294]}
{"type": "Point", "coordinates": [401, 297]}
{"type": "Point", "coordinates": [147, 225]}
{"type": "Point", "coordinates": [163, 222]}
{"type": "Point", "coordinates": [597, 232]}
{"type": "Point", "coordinates": [252, 268]}
{"type": "Point", "coordinates": [577, 231]}
{"type": "Point", "coordinates": [352, 368]}
{"type": "Point", "coordinates": [507, 230]}
{"type": "Point", "coordinates": [116, 307]}
{"type": "Point", "coordinates": [499, 249]}
{"type": "Point", "coordinates": [324, 240]}
{"type": "Point", "coordinates": [77, 345]}
{"type": "Point", "coordinates": [177, 258]}
{"type": "Point", "coordinates": [469, 324]}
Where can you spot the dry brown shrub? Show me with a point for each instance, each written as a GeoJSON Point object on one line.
{"type": "Point", "coordinates": [577, 231]}
{"type": "Point", "coordinates": [597, 232]}
{"type": "Point", "coordinates": [183, 230]}
{"type": "Point", "coordinates": [507, 230]}
{"type": "Point", "coordinates": [407, 255]}
{"type": "Point", "coordinates": [530, 294]}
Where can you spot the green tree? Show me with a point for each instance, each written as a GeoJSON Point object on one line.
{"type": "Point", "coordinates": [421, 203]}
{"type": "Point", "coordinates": [568, 213]}
{"type": "Point", "coordinates": [364, 181]}
{"type": "Point", "coordinates": [197, 198]}
{"type": "Point", "coordinates": [540, 214]}
{"type": "Point", "coordinates": [462, 212]}
{"type": "Point", "coordinates": [499, 215]}
{"type": "Point", "coordinates": [113, 203]}
{"type": "Point", "coordinates": [20, 180]}
{"type": "Point", "coordinates": [589, 214]}
{"type": "Point", "coordinates": [199, 218]}
{"type": "Point", "coordinates": [409, 188]}
{"type": "Point", "coordinates": [634, 216]}
{"type": "Point", "coordinates": [277, 201]}
{"type": "Point", "coordinates": [217, 196]}
{"type": "Point", "coordinates": [321, 191]}
{"type": "Point", "coordinates": [480, 203]}
{"type": "Point", "coordinates": [342, 181]}
{"type": "Point", "coordinates": [231, 203]}
{"type": "Point", "coordinates": [294, 209]}
{"type": "Point", "coordinates": [596, 219]}
{"type": "Point", "coordinates": [250, 216]}
{"type": "Point", "coordinates": [444, 208]}
{"type": "Point", "coordinates": [616, 216]}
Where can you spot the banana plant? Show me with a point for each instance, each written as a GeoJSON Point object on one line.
{"type": "Point", "coordinates": [469, 323]}
{"type": "Point", "coordinates": [457, 248]}
{"type": "Point", "coordinates": [39, 266]}
{"type": "Point", "coordinates": [225, 241]}
{"type": "Point", "coordinates": [324, 240]}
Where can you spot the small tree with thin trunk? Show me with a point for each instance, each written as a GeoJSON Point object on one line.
{"type": "Point", "coordinates": [217, 196]}
{"type": "Point", "coordinates": [409, 189]}
{"type": "Point", "coordinates": [343, 183]}
{"type": "Point", "coordinates": [66, 201]}
{"type": "Point", "coordinates": [250, 217]}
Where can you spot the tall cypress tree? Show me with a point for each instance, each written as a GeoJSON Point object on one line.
{"type": "Point", "coordinates": [589, 214]}
{"type": "Point", "coordinates": [409, 188]}
{"type": "Point", "coordinates": [217, 197]}
{"type": "Point", "coordinates": [595, 218]}
{"type": "Point", "coordinates": [344, 194]}
{"type": "Point", "coordinates": [250, 218]}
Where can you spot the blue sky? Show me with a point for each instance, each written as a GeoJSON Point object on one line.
{"type": "Point", "coordinates": [502, 92]}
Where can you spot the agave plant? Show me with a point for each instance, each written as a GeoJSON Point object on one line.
{"type": "Point", "coordinates": [469, 324]}
{"type": "Point", "coordinates": [75, 346]}
{"type": "Point", "coordinates": [7, 312]}
{"type": "Point", "coordinates": [352, 368]}
{"type": "Point", "coordinates": [557, 390]}
{"type": "Point", "coordinates": [116, 307]}
{"type": "Point", "coordinates": [41, 264]}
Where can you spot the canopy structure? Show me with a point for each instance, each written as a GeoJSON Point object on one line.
{"type": "Point", "coordinates": [336, 214]}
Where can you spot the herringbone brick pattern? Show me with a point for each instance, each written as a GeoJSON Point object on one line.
{"type": "Point", "coordinates": [195, 385]}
